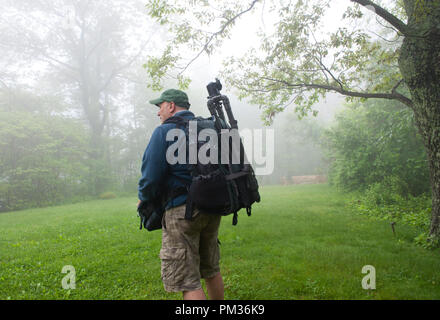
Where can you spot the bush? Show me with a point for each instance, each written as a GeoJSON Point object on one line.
{"type": "Point", "coordinates": [375, 150]}
{"type": "Point", "coordinates": [43, 160]}
{"type": "Point", "coordinates": [392, 190]}
{"type": "Point", "coordinates": [424, 241]}
{"type": "Point", "coordinates": [384, 201]}
{"type": "Point", "coordinates": [374, 141]}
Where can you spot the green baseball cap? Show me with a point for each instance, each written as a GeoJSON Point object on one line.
{"type": "Point", "coordinates": [179, 97]}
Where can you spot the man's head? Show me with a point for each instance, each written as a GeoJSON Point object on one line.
{"type": "Point", "coordinates": [170, 102]}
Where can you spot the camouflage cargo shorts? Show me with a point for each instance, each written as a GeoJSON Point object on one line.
{"type": "Point", "coordinates": [190, 249]}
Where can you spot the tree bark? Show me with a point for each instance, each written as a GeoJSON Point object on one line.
{"type": "Point", "coordinates": [419, 63]}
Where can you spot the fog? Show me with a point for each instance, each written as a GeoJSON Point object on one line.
{"type": "Point", "coordinates": [74, 99]}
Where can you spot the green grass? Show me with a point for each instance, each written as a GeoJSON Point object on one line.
{"type": "Point", "coordinates": [301, 242]}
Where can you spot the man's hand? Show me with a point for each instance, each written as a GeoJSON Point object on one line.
{"type": "Point", "coordinates": [139, 203]}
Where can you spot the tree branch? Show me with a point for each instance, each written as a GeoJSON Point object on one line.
{"type": "Point", "coordinates": [394, 90]}
{"type": "Point", "coordinates": [215, 34]}
{"type": "Point", "coordinates": [390, 96]}
{"type": "Point", "coordinates": [387, 16]}
{"type": "Point", "coordinates": [4, 84]}
{"type": "Point", "coordinates": [117, 70]}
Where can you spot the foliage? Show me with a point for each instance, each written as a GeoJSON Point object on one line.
{"type": "Point", "coordinates": [43, 160]}
{"type": "Point", "coordinates": [426, 241]}
{"type": "Point", "coordinates": [373, 141]}
{"type": "Point", "coordinates": [299, 65]}
{"type": "Point", "coordinates": [295, 62]}
{"type": "Point", "coordinates": [383, 201]}
{"type": "Point", "coordinates": [199, 26]}
{"type": "Point", "coordinates": [375, 150]}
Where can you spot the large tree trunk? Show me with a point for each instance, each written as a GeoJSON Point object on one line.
{"type": "Point", "coordinates": [420, 66]}
{"type": "Point", "coordinates": [97, 118]}
{"type": "Point", "coordinates": [100, 165]}
{"type": "Point", "coordinates": [427, 115]}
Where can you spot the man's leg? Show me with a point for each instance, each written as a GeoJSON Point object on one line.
{"type": "Point", "coordinates": [215, 290]}
{"type": "Point", "coordinates": [215, 287]}
{"type": "Point", "coordinates": [179, 254]}
{"type": "Point", "coordinates": [210, 257]}
{"type": "Point", "coordinates": [194, 295]}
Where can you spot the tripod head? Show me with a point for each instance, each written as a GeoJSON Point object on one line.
{"type": "Point", "coordinates": [216, 102]}
{"type": "Point", "coordinates": [214, 88]}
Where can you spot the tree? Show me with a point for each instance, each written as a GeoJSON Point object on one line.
{"type": "Point", "coordinates": [42, 160]}
{"type": "Point", "coordinates": [86, 49]}
{"type": "Point", "coordinates": [296, 65]}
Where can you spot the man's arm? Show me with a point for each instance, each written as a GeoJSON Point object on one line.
{"type": "Point", "coordinates": [154, 167]}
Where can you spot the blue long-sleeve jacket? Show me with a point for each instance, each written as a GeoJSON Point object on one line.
{"type": "Point", "coordinates": [157, 174]}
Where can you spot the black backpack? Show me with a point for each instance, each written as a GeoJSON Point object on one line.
{"type": "Point", "coordinates": [218, 188]}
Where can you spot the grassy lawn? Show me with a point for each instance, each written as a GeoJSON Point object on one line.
{"type": "Point", "coordinates": [300, 243]}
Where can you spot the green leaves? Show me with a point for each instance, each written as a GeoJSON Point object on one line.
{"type": "Point", "coordinates": [196, 28]}
{"type": "Point", "coordinates": [161, 10]}
{"type": "Point", "coordinates": [158, 67]}
{"type": "Point", "coordinates": [158, 70]}
{"type": "Point", "coordinates": [375, 141]}
{"type": "Point", "coordinates": [42, 160]}
{"type": "Point", "coordinates": [298, 66]}
{"type": "Point", "coordinates": [300, 61]}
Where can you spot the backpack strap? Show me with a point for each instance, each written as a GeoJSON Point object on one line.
{"type": "Point", "coordinates": [236, 175]}
{"type": "Point", "coordinates": [189, 208]}
{"type": "Point", "coordinates": [189, 203]}
{"type": "Point", "coordinates": [235, 219]}
{"type": "Point", "coordinates": [178, 120]}
{"type": "Point", "coordinates": [182, 123]}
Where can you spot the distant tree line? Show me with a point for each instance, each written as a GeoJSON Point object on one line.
{"type": "Point", "coordinates": [46, 158]}
{"type": "Point", "coordinates": [73, 97]}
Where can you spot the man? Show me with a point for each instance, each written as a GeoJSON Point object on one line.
{"type": "Point", "coordinates": [190, 248]}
